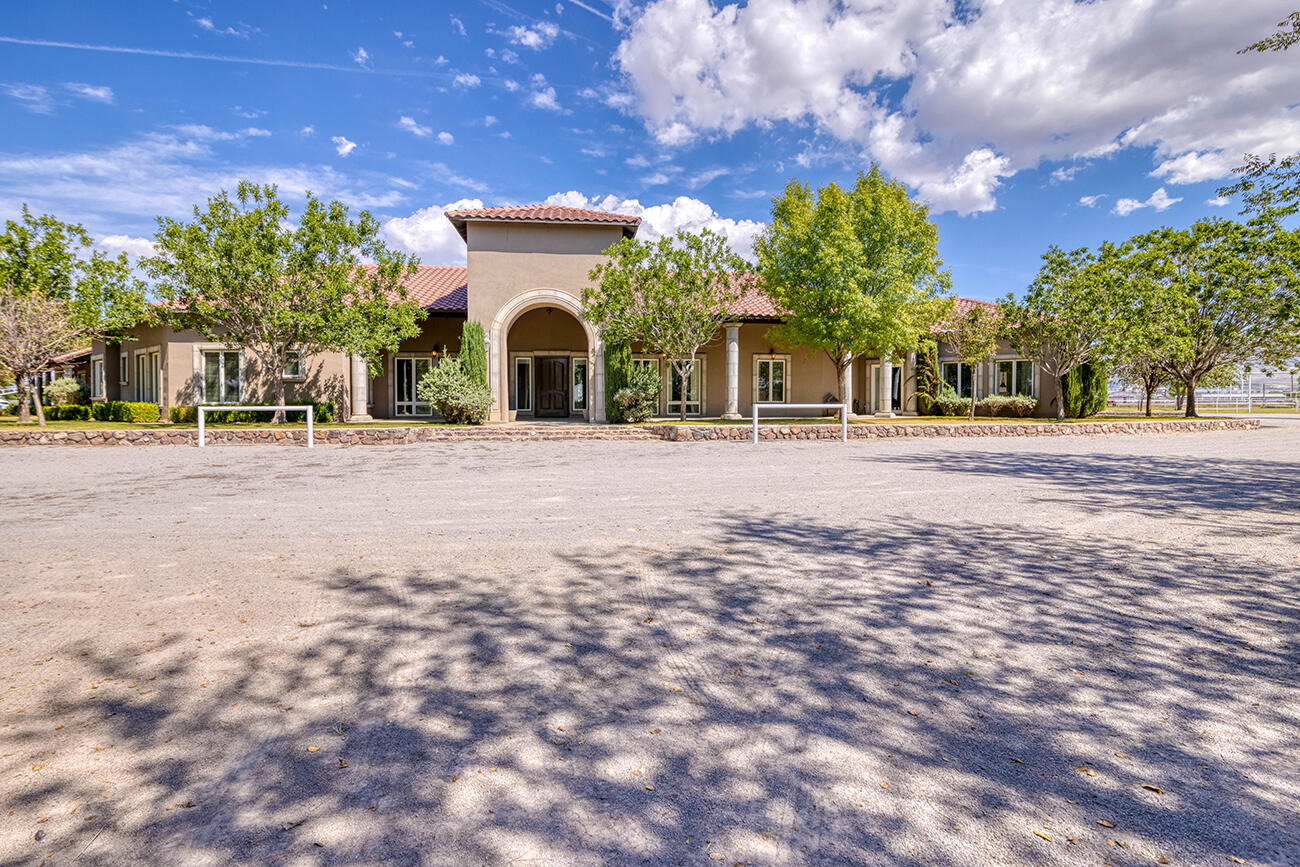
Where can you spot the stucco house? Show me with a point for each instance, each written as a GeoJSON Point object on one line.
{"type": "Point", "coordinates": [523, 278]}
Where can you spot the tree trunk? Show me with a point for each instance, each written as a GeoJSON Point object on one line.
{"type": "Point", "coordinates": [1060, 398]}
{"type": "Point", "coordinates": [1191, 398]}
{"type": "Point", "coordinates": [40, 406]}
{"type": "Point", "coordinates": [24, 401]}
{"type": "Point", "coordinates": [842, 369]}
{"type": "Point", "coordinates": [1150, 391]}
{"type": "Point", "coordinates": [686, 381]}
{"type": "Point", "coordinates": [279, 397]}
{"type": "Point", "coordinates": [972, 403]}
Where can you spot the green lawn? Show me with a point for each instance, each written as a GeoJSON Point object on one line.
{"type": "Point", "coordinates": [11, 423]}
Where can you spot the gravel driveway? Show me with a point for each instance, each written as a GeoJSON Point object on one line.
{"type": "Point", "coordinates": [1054, 651]}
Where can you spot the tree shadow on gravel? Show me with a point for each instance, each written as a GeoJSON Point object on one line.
{"type": "Point", "coordinates": [783, 692]}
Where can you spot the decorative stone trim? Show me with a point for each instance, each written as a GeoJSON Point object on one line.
{"type": "Point", "coordinates": [745, 433]}
{"type": "Point", "coordinates": [392, 436]}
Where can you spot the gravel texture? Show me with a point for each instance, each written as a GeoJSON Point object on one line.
{"type": "Point", "coordinates": [998, 651]}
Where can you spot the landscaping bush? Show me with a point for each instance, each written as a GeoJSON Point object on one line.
{"type": "Point", "coordinates": [618, 370]}
{"type": "Point", "coordinates": [637, 401]}
{"type": "Point", "coordinates": [70, 412]}
{"type": "Point", "coordinates": [321, 413]}
{"type": "Point", "coordinates": [130, 411]}
{"type": "Point", "coordinates": [183, 414]}
{"type": "Point", "coordinates": [10, 409]}
{"type": "Point", "coordinates": [473, 355]}
{"type": "Point", "coordinates": [67, 391]}
{"type": "Point", "coordinates": [948, 403]}
{"type": "Point", "coordinates": [927, 377]}
{"type": "Point", "coordinates": [1085, 389]}
{"type": "Point", "coordinates": [458, 397]}
{"type": "Point", "coordinates": [997, 405]}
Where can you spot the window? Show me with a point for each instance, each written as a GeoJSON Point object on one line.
{"type": "Point", "coordinates": [770, 381]}
{"type": "Point", "coordinates": [1015, 377]}
{"type": "Point", "coordinates": [957, 376]}
{"type": "Point", "coordinates": [97, 378]}
{"type": "Point", "coordinates": [220, 377]}
{"type": "Point", "coordinates": [692, 395]}
{"type": "Point", "coordinates": [292, 365]}
{"type": "Point", "coordinates": [524, 384]}
{"type": "Point", "coordinates": [148, 375]}
{"type": "Point", "coordinates": [409, 373]}
{"type": "Point", "coordinates": [123, 370]}
{"type": "Point", "coordinates": [579, 389]}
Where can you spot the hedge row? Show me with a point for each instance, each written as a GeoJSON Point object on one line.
{"type": "Point", "coordinates": [992, 406]}
{"type": "Point", "coordinates": [124, 410]}
{"type": "Point", "coordinates": [321, 413]}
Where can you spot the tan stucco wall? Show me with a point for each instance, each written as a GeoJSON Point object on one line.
{"type": "Point", "coordinates": [538, 330]}
{"type": "Point", "coordinates": [436, 332]}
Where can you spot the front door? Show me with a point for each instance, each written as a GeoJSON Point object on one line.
{"type": "Point", "coordinates": [552, 388]}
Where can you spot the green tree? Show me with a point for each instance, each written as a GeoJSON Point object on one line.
{"type": "Point", "coordinates": [973, 337]}
{"type": "Point", "coordinates": [853, 271]}
{"type": "Point", "coordinates": [1288, 34]}
{"type": "Point", "coordinates": [1145, 372]}
{"type": "Point", "coordinates": [57, 295]}
{"type": "Point", "coordinates": [1067, 315]}
{"type": "Point", "coordinates": [672, 295]}
{"type": "Point", "coordinates": [241, 272]}
{"type": "Point", "coordinates": [1230, 295]}
{"type": "Point", "coordinates": [1268, 185]}
{"type": "Point", "coordinates": [473, 351]}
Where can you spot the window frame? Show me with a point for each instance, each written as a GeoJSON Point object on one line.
{"type": "Point", "coordinates": [415, 403]}
{"type": "Point", "coordinates": [669, 403]}
{"type": "Point", "coordinates": [151, 357]}
{"type": "Point", "coordinates": [222, 379]}
{"type": "Point", "coordinates": [962, 381]}
{"type": "Point", "coordinates": [518, 399]}
{"type": "Point", "coordinates": [784, 361]}
{"type": "Point", "coordinates": [1016, 364]}
{"type": "Point", "coordinates": [96, 376]}
{"type": "Point", "coordinates": [299, 376]}
{"type": "Point", "coordinates": [576, 361]}
{"type": "Point", "coordinates": [123, 368]}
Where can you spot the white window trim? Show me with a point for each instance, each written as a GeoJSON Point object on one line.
{"type": "Point", "coordinates": [302, 369]}
{"type": "Point", "coordinates": [785, 395]}
{"type": "Point", "coordinates": [123, 366]}
{"type": "Point", "coordinates": [671, 369]}
{"type": "Point", "coordinates": [1017, 359]}
{"type": "Point", "coordinates": [96, 382]}
{"type": "Point", "coordinates": [513, 395]}
{"type": "Point", "coordinates": [146, 351]}
{"type": "Point", "coordinates": [392, 384]}
{"type": "Point", "coordinates": [574, 361]}
{"type": "Point", "coordinates": [200, 388]}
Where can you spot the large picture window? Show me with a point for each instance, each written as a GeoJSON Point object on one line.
{"type": "Point", "coordinates": [409, 372]}
{"type": "Point", "coordinates": [692, 391]}
{"type": "Point", "coordinates": [770, 379]}
{"type": "Point", "coordinates": [958, 377]}
{"type": "Point", "coordinates": [1015, 377]}
{"type": "Point", "coordinates": [220, 377]}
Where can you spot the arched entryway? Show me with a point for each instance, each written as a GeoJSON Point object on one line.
{"type": "Point", "coordinates": [545, 360]}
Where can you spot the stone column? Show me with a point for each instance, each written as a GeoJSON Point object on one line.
{"type": "Point", "coordinates": [596, 384]}
{"type": "Point", "coordinates": [732, 409]}
{"type": "Point", "coordinates": [885, 390]}
{"type": "Point", "coordinates": [909, 376]}
{"type": "Point", "coordinates": [359, 379]}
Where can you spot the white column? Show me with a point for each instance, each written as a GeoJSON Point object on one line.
{"type": "Point", "coordinates": [909, 376]}
{"type": "Point", "coordinates": [596, 384]}
{"type": "Point", "coordinates": [848, 387]}
{"type": "Point", "coordinates": [732, 409]}
{"type": "Point", "coordinates": [360, 377]}
{"type": "Point", "coordinates": [886, 389]}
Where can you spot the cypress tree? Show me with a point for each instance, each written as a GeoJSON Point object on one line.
{"type": "Point", "coordinates": [473, 354]}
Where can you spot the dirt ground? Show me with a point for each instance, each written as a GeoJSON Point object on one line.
{"type": "Point", "coordinates": [1055, 651]}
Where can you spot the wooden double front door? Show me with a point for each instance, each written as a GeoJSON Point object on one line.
{"type": "Point", "coordinates": [552, 387]}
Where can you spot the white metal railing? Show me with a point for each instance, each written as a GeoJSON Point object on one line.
{"type": "Point", "coordinates": [842, 407]}
{"type": "Point", "coordinates": [233, 408]}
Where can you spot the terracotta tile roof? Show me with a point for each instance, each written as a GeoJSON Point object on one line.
{"type": "Point", "coordinates": [755, 304]}
{"type": "Point", "coordinates": [439, 287]}
{"type": "Point", "coordinates": [541, 214]}
{"type": "Point", "coordinates": [963, 307]}
{"type": "Point", "coordinates": [72, 355]}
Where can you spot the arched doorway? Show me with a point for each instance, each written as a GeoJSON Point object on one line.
{"type": "Point", "coordinates": [545, 360]}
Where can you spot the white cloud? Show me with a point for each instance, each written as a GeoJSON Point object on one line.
{"type": "Point", "coordinates": [203, 132]}
{"type": "Point", "coordinates": [136, 248]}
{"type": "Point", "coordinates": [510, 84]}
{"type": "Point", "coordinates": [361, 58]}
{"type": "Point", "coordinates": [543, 95]}
{"type": "Point", "coordinates": [342, 146]}
{"type": "Point", "coordinates": [409, 124]}
{"type": "Point", "coordinates": [1217, 201]}
{"type": "Point", "coordinates": [458, 26]}
{"type": "Point", "coordinates": [467, 80]}
{"type": "Point", "coordinates": [1091, 201]}
{"type": "Point", "coordinates": [682, 214]}
{"type": "Point", "coordinates": [1160, 200]}
{"type": "Point", "coordinates": [998, 89]}
{"type": "Point", "coordinates": [1063, 175]}
{"type": "Point", "coordinates": [489, 120]}
{"type": "Point", "coordinates": [307, 130]}
{"type": "Point", "coordinates": [427, 233]}
{"type": "Point", "coordinates": [94, 93]}
{"type": "Point", "coordinates": [239, 29]}
{"type": "Point", "coordinates": [32, 97]}
{"type": "Point", "coordinates": [538, 37]}
{"type": "Point", "coordinates": [446, 138]}
{"type": "Point", "coordinates": [637, 162]}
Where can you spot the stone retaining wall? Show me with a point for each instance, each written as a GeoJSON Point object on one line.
{"type": "Point", "coordinates": [529, 433]}
{"type": "Point", "coordinates": [745, 433]}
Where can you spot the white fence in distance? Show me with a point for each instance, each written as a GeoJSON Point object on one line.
{"type": "Point", "coordinates": [311, 439]}
{"type": "Point", "coordinates": [842, 407]}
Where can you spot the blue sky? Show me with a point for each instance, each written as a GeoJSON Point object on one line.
{"type": "Point", "coordinates": [1023, 122]}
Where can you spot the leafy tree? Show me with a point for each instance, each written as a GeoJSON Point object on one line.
{"type": "Point", "coordinates": [637, 401]}
{"type": "Point", "coordinates": [927, 376]}
{"type": "Point", "coordinates": [1230, 291]}
{"type": "Point", "coordinates": [242, 273]}
{"type": "Point", "coordinates": [1145, 372]}
{"type": "Point", "coordinates": [456, 392]}
{"type": "Point", "coordinates": [854, 271]}
{"type": "Point", "coordinates": [1066, 317]}
{"type": "Point", "coordinates": [473, 353]}
{"type": "Point", "coordinates": [1085, 389]}
{"type": "Point", "coordinates": [1280, 41]}
{"type": "Point", "coordinates": [973, 337]}
{"type": "Point", "coordinates": [672, 295]}
{"type": "Point", "coordinates": [55, 298]}
{"type": "Point", "coordinates": [1268, 185]}
{"type": "Point", "coordinates": [618, 373]}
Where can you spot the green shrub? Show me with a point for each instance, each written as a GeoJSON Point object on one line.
{"type": "Point", "coordinates": [458, 397]}
{"type": "Point", "coordinates": [927, 377]}
{"type": "Point", "coordinates": [183, 414]}
{"type": "Point", "coordinates": [618, 372]}
{"type": "Point", "coordinates": [130, 411]}
{"type": "Point", "coordinates": [70, 412]}
{"type": "Point", "coordinates": [67, 391]}
{"type": "Point", "coordinates": [637, 401]}
{"type": "Point", "coordinates": [11, 408]}
{"type": "Point", "coordinates": [948, 403]}
{"type": "Point", "coordinates": [473, 355]}
{"type": "Point", "coordinates": [997, 405]}
{"type": "Point", "coordinates": [322, 412]}
{"type": "Point", "coordinates": [1085, 389]}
